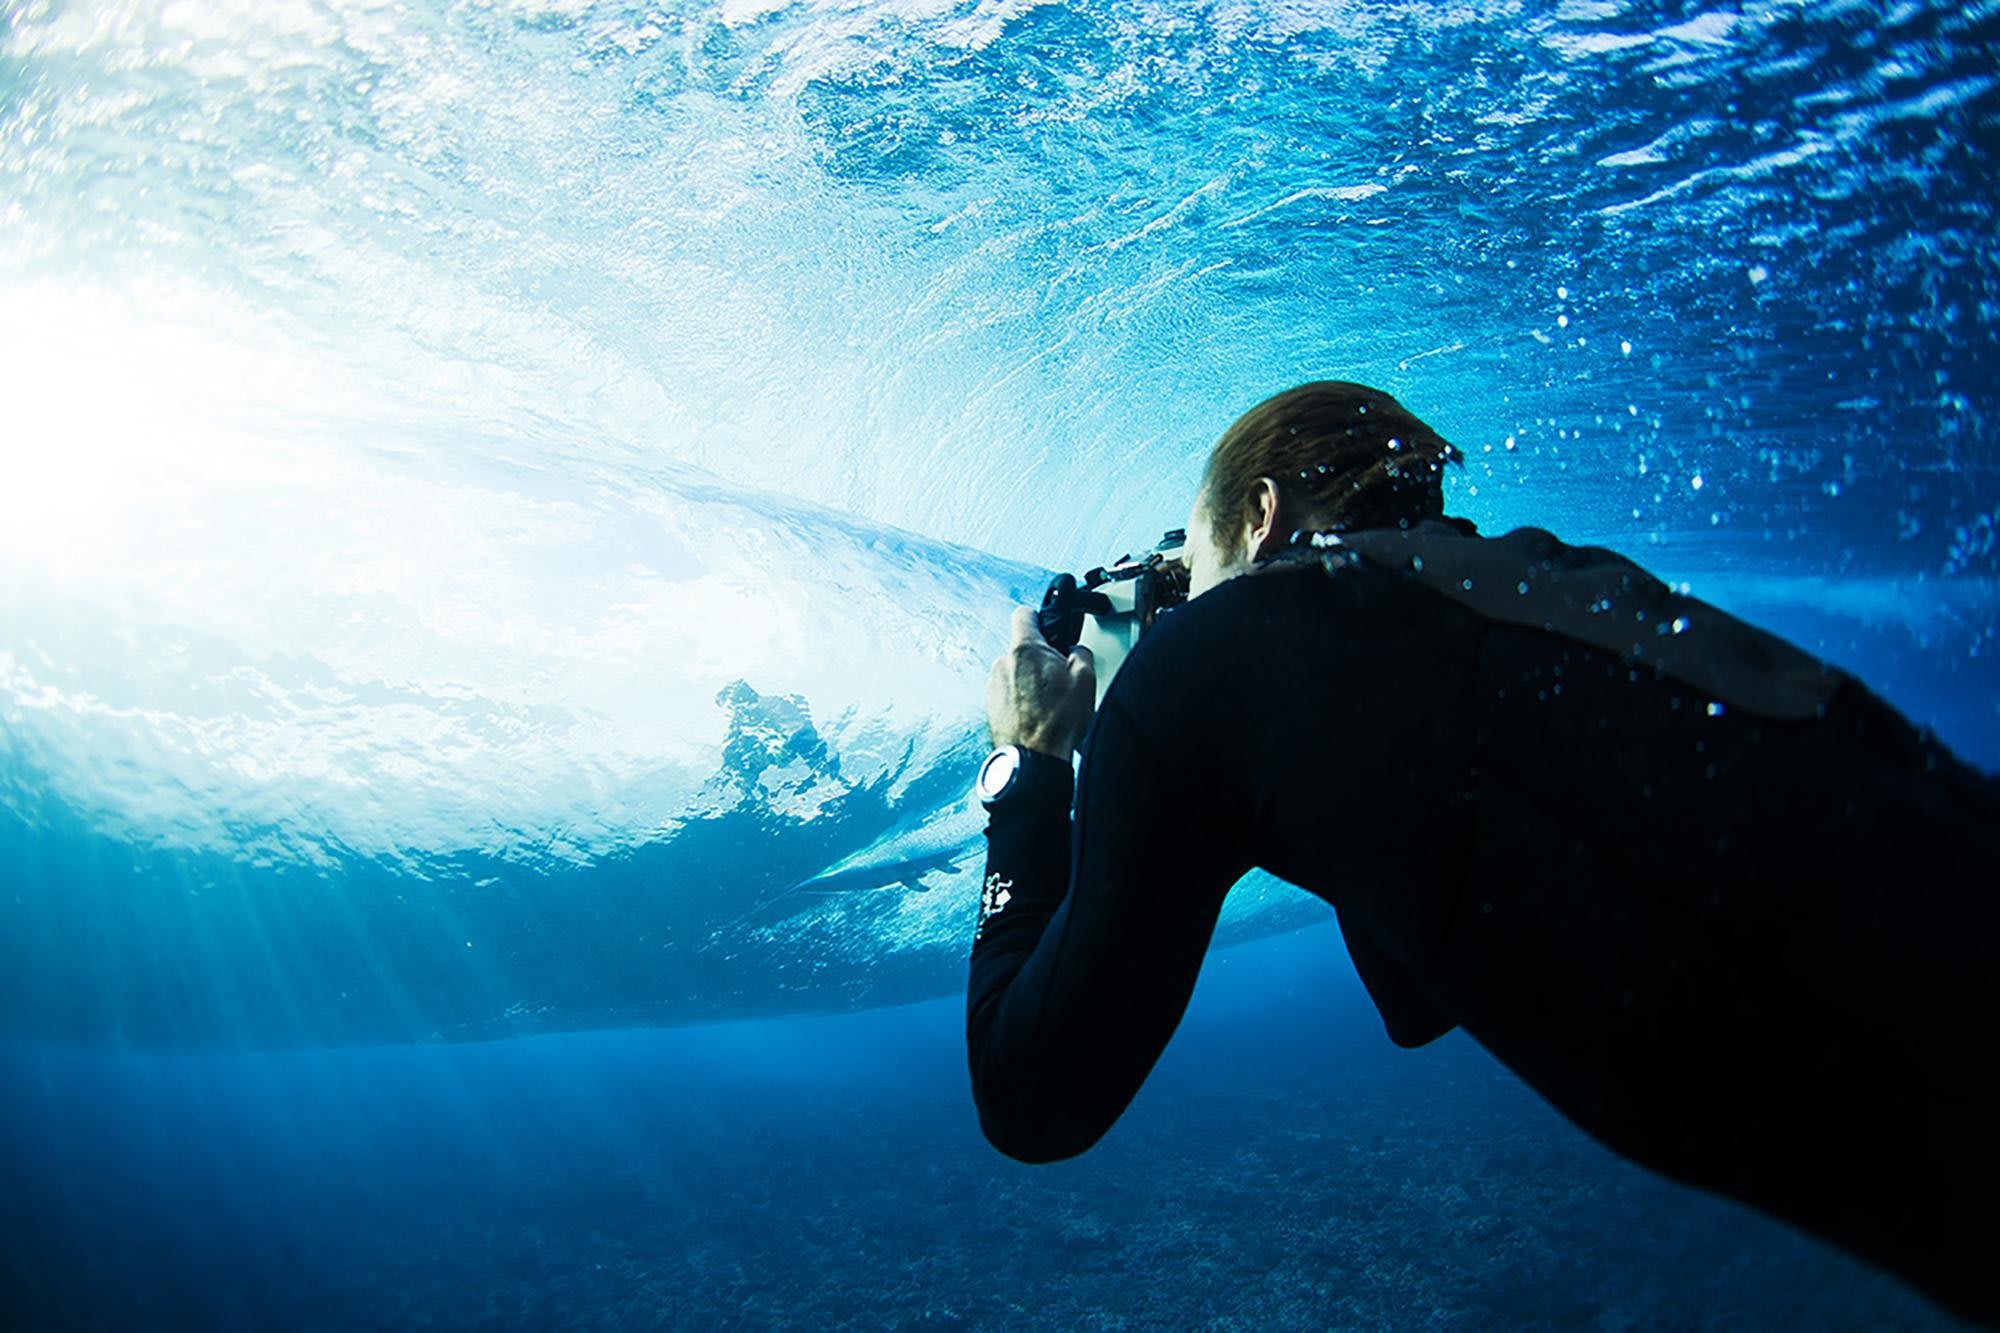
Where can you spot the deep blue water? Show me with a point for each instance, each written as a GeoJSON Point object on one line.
{"type": "Point", "coordinates": [1285, 1166]}
{"type": "Point", "coordinates": [506, 506]}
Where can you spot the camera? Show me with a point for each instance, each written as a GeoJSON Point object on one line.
{"type": "Point", "coordinates": [1110, 607]}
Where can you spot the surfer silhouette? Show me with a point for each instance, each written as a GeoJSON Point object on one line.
{"type": "Point", "coordinates": [1721, 905]}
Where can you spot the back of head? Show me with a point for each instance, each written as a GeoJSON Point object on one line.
{"type": "Point", "coordinates": [1344, 457]}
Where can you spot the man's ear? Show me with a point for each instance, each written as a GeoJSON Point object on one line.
{"type": "Point", "coordinates": [1264, 531]}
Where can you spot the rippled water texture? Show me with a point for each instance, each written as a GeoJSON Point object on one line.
{"type": "Point", "coordinates": [505, 506]}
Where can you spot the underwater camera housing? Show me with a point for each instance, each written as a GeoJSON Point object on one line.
{"type": "Point", "coordinates": [1110, 607]}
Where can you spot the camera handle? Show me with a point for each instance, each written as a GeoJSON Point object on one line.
{"type": "Point", "coordinates": [1066, 603]}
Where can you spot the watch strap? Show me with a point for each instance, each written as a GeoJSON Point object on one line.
{"type": "Point", "coordinates": [1041, 779]}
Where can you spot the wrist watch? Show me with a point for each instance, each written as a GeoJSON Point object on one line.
{"type": "Point", "coordinates": [998, 774]}
{"type": "Point", "coordinates": [1013, 769]}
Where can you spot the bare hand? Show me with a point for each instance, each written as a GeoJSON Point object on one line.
{"type": "Point", "coordinates": [1036, 697]}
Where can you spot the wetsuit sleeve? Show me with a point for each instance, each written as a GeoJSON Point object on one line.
{"type": "Point", "coordinates": [1091, 937]}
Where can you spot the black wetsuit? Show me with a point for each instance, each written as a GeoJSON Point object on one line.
{"type": "Point", "coordinates": [1760, 957]}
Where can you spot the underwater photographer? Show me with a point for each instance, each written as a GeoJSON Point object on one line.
{"type": "Point", "coordinates": [1715, 900]}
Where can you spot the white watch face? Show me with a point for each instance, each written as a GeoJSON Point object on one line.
{"type": "Point", "coordinates": [997, 772]}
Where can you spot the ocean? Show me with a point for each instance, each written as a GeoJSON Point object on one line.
{"type": "Point", "coordinates": [506, 507]}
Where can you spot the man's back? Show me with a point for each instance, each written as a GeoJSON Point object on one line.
{"type": "Point", "coordinates": [1754, 954]}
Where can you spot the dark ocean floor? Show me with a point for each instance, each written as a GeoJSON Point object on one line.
{"type": "Point", "coordinates": [1286, 1167]}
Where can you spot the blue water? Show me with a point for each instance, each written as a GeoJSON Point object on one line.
{"type": "Point", "coordinates": [505, 508]}
{"type": "Point", "coordinates": [1285, 1166]}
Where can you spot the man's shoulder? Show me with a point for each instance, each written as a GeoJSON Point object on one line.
{"type": "Point", "coordinates": [1251, 630]}
{"type": "Point", "coordinates": [1235, 605]}
{"type": "Point", "coordinates": [1592, 595]}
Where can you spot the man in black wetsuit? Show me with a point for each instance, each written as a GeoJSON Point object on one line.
{"type": "Point", "coordinates": [1721, 905]}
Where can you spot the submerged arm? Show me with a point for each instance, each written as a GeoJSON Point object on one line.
{"type": "Point", "coordinates": [1090, 938]}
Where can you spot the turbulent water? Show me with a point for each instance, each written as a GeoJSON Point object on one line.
{"type": "Point", "coordinates": [506, 505]}
{"type": "Point", "coordinates": [496, 492]}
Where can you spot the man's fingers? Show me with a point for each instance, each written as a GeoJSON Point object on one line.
{"type": "Point", "coordinates": [1082, 662]}
{"type": "Point", "coordinates": [1025, 628]}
